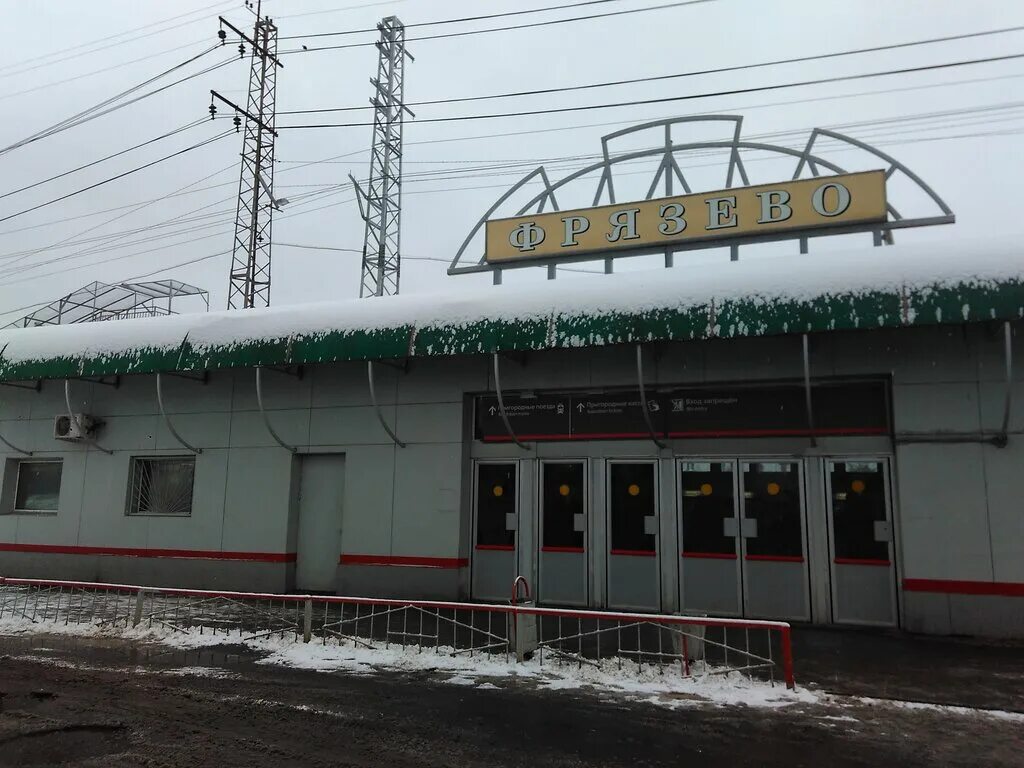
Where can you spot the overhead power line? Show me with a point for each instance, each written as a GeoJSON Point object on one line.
{"type": "Point", "coordinates": [116, 177]}
{"type": "Point", "coordinates": [687, 97]}
{"type": "Point", "coordinates": [115, 102]}
{"type": "Point", "coordinates": [298, 164]}
{"type": "Point", "coordinates": [134, 208]}
{"type": "Point", "coordinates": [417, 192]}
{"type": "Point", "coordinates": [66, 53]}
{"type": "Point", "coordinates": [656, 78]}
{"type": "Point", "coordinates": [459, 20]}
{"type": "Point", "coordinates": [222, 217]}
{"type": "Point", "coordinates": [588, 17]}
{"type": "Point", "coordinates": [155, 139]}
{"type": "Point", "coordinates": [84, 75]}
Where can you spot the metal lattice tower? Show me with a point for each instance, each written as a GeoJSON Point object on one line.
{"type": "Point", "coordinates": [250, 261]}
{"type": "Point", "coordinates": [383, 196]}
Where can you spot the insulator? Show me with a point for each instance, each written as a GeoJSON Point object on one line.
{"type": "Point", "coordinates": [213, 110]}
{"type": "Point", "coordinates": [222, 35]}
{"type": "Point", "coordinates": [241, 50]}
{"type": "Point", "coordinates": [238, 123]}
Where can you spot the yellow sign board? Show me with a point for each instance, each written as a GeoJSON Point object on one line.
{"type": "Point", "coordinates": [824, 202]}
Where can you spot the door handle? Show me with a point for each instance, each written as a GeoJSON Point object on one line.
{"type": "Point", "coordinates": [729, 527]}
{"type": "Point", "coordinates": [749, 528]}
{"type": "Point", "coordinates": [579, 523]}
{"type": "Point", "coordinates": [650, 524]}
{"type": "Point", "coordinates": [510, 521]}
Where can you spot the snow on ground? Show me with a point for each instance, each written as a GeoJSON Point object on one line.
{"type": "Point", "coordinates": [489, 671]}
{"type": "Point", "coordinates": [998, 714]}
{"type": "Point", "coordinates": [481, 671]}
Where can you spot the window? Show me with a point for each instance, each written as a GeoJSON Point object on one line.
{"type": "Point", "coordinates": [858, 504]}
{"type": "Point", "coordinates": [495, 500]}
{"type": "Point", "coordinates": [38, 486]}
{"type": "Point", "coordinates": [161, 486]}
{"type": "Point", "coordinates": [631, 495]}
{"type": "Point", "coordinates": [771, 496]}
{"type": "Point", "coordinates": [563, 495]}
{"type": "Point", "coordinates": [707, 501]}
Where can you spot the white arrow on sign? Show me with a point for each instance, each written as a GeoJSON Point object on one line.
{"type": "Point", "coordinates": [492, 410]}
{"type": "Point", "coordinates": [580, 407]}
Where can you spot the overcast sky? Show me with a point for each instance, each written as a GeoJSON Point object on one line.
{"type": "Point", "coordinates": [63, 56]}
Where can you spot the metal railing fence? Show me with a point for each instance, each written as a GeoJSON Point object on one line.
{"type": "Point", "coordinates": [671, 644]}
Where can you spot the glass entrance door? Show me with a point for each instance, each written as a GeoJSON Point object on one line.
{"type": "Point", "coordinates": [861, 541]}
{"type": "Point", "coordinates": [633, 568]}
{"type": "Point", "coordinates": [773, 544]}
{"type": "Point", "coordinates": [562, 561]}
{"type": "Point", "coordinates": [709, 569]}
{"type": "Point", "coordinates": [495, 524]}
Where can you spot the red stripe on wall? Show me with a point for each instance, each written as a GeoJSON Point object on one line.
{"type": "Point", "coordinates": [781, 432]}
{"type": "Point", "coordinates": [948, 587]}
{"type": "Point", "coordinates": [187, 554]}
{"type": "Point", "coordinates": [404, 560]}
{"type": "Point", "coordinates": [497, 547]}
{"type": "Point", "coordinates": [860, 561]}
{"type": "Point", "coordinates": [634, 552]}
{"type": "Point", "coordinates": [775, 558]}
{"type": "Point", "coordinates": [711, 555]}
{"type": "Point", "coordinates": [579, 436]}
{"type": "Point", "coordinates": [576, 550]}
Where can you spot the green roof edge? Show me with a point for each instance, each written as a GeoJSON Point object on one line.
{"type": "Point", "coordinates": [733, 318]}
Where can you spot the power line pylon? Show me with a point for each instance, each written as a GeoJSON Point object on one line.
{"type": "Point", "coordinates": [383, 195]}
{"type": "Point", "coordinates": [250, 260]}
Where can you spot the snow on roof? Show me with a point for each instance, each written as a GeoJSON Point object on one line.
{"type": "Point", "coordinates": [890, 286]}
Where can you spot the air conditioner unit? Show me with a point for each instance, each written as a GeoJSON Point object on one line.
{"type": "Point", "coordinates": [81, 427]}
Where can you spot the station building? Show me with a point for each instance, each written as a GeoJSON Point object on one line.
{"type": "Point", "coordinates": [832, 438]}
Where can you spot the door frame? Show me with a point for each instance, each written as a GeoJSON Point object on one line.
{"type": "Point", "coordinates": [656, 464]}
{"type": "Point", "coordinates": [742, 509]}
{"type": "Point", "coordinates": [538, 539]}
{"type": "Point", "coordinates": [677, 469]}
{"type": "Point", "coordinates": [886, 462]}
{"type": "Point", "coordinates": [474, 502]}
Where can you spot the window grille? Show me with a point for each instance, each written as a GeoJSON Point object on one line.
{"type": "Point", "coordinates": [162, 486]}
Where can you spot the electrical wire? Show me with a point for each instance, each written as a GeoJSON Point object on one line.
{"type": "Point", "coordinates": [298, 164]}
{"type": "Point", "coordinates": [204, 10]}
{"type": "Point", "coordinates": [946, 117]}
{"type": "Point", "coordinates": [687, 97]}
{"type": "Point", "coordinates": [135, 208]}
{"type": "Point", "coordinates": [966, 117]}
{"type": "Point", "coordinates": [84, 75]}
{"type": "Point", "coordinates": [446, 190]}
{"type": "Point", "coordinates": [111, 104]}
{"type": "Point", "coordinates": [115, 178]}
{"type": "Point", "coordinates": [552, 22]}
{"type": "Point", "coordinates": [658, 78]}
{"type": "Point", "coordinates": [460, 20]}
{"type": "Point", "coordinates": [155, 139]}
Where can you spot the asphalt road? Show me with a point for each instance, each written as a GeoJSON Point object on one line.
{"type": "Point", "coordinates": [107, 703]}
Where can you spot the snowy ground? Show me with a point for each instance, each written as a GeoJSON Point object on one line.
{"type": "Point", "coordinates": [612, 677]}
{"type": "Point", "coordinates": [623, 680]}
{"type": "Point", "coordinates": [95, 697]}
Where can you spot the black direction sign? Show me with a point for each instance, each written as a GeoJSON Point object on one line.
{"type": "Point", "coordinates": [730, 411]}
{"type": "Point", "coordinates": [545, 417]}
{"type": "Point", "coordinates": [738, 410]}
{"type": "Point", "coordinates": [615, 415]}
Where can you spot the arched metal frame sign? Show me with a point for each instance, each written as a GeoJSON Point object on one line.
{"type": "Point", "coordinates": [821, 198]}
